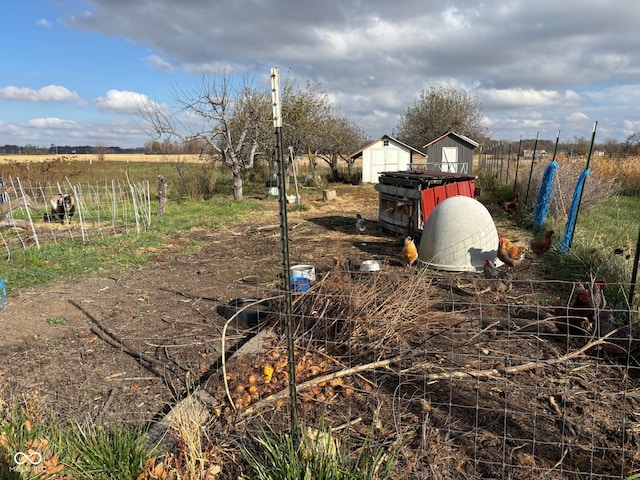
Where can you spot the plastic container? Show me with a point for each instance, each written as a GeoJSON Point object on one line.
{"type": "Point", "coordinates": [251, 315]}
{"type": "Point", "coordinates": [307, 271]}
{"type": "Point", "coordinates": [300, 284]}
{"type": "Point", "coordinates": [370, 266]}
{"type": "Point", "coordinates": [458, 235]}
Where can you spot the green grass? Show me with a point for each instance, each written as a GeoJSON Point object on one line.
{"type": "Point", "coordinates": [72, 258]}
{"type": "Point", "coordinates": [57, 321]}
{"type": "Point", "coordinates": [100, 453]}
{"type": "Point", "coordinates": [74, 451]}
{"type": "Point", "coordinates": [320, 456]}
{"type": "Point", "coordinates": [612, 223]}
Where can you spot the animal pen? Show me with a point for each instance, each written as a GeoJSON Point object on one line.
{"type": "Point", "coordinates": [459, 379]}
{"type": "Point", "coordinates": [447, 373]}
{"type": "Point", "coordinates": [101, 210]}
{"type": "Point", "coordinates": [407, 198]}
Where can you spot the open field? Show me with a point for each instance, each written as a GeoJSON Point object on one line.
{"type": "Point", "coordinates": [92, 157]}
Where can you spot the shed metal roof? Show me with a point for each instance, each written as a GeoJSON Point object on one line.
{"type": "Point", "coordinates": [387, 137]}
{"type": "Point", "coordinates": [448, 134]}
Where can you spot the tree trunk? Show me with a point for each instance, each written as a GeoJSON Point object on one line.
{"type": "Point", "coordinates": [312, 161]}
{"type": "Point", "coordinates": [237, 185]}
{"type": "Point", "coordinates": [334, 169]}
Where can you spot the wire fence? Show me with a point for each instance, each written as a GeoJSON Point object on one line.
{"type": "Point", "coordinates": [462, 376]}
{"type": "Point", "coordinates": [101, 210]}
{"type": "Point", "coordinates": [464, 379]}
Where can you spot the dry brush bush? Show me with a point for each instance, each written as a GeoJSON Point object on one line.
{"type": "Point", "coordinates": [598, 186]}
{"type": "Point", "coordinates": [624, 171]}
{"type": "Point", "coordinates": [369, 317]}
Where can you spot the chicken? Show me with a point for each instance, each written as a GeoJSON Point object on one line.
{"type": "Point", "coordinates": [501, 279]}
{"type": "Point", "coordinates": [510, 207]}
{"type": "Point", "coordinates": [491, 272]}
{"type": "Point", "coordinates": [586, 305]}
{"type": "Point", "coordinates": [361, 223]}
{"type": "Point", "coordinates": [579, 312]}
{"type": "Point", "coordinates": [409, 251]}
{"type": "Point", "coordinates": [542, 245]}
{"type": "Point", "coordinates": [510, 254]}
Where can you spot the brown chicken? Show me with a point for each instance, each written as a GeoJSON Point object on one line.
{"type": "Point", "coordinates": [510, 207]}
{"type": "Point", "coordinates": [409, 251]}
{"type": "Point", "coordinates": [585, 306]}
{"type": "Point", "coordinates": [542, 245]}
{"type": "Point", "coordinates": [510, 254]}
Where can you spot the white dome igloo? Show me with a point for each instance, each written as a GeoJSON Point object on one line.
{"type": "Point", "coordinates": [458, 236]}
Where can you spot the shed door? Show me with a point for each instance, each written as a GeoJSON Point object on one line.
{"type": "Point", "coordinates": [449, 159]}
{"type": "Point", "coordinates": [383, 160]}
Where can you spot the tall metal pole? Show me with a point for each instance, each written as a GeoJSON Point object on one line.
{"type": "Point", "coordinates": [506, 178]}
{"type": "Point", "coordinates": [634, 276]}
{"type": "Point", "coordinates": [533, 160]}
{"type": "Point", "coordinates": [515, 179]}
{"type": "Point", "coordinates": [284, 240]}
{"type": "Point", "coordinates": [555, 149]}
{"type": "Point", "coordinates": [586, 168]}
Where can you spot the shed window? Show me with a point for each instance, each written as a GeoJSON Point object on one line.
{"type": "Point", "coordinates": [385, 143]}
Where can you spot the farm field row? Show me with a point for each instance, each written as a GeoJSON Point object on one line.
{"type": "Point", "coordinates": [94, 157]}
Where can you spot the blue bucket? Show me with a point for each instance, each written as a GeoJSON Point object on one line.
{"type": "Point", "coordinates": [300, 284]}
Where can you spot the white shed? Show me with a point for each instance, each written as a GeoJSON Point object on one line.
{"type": "Point", "coordinates": [386, 155]}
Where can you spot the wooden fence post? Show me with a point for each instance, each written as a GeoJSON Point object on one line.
{"type": "Point", "coordinates": [162, 195]}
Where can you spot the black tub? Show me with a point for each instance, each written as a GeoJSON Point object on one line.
{"type": "Point", "coordinates": [250, 315]}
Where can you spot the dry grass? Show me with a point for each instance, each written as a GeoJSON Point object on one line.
{"type": "Point", "coordinates": [624, 171]}
{"type": "Point", "coordinates": [128, 157]}
{"type": "Point", "coordinates": [605, 179]}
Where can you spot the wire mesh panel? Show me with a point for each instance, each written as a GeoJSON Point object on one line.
{"type": "Point", "coordinates": [456, 375]}
{"type": "Point", "coordinates": [99, 210]}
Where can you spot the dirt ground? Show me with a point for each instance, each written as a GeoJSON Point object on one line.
{"type": "Point", "coordinates": [126, 348]}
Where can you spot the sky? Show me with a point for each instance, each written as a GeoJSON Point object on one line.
{"type": "Point", "coordinates": [75, 72]}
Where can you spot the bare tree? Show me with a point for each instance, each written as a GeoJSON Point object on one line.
{"type": "Point", "coordinates": [631, 146]}
{"type": "Point", "coordinates": [231, 121]}
{"type": "Point", "coordinates": [339, 137]}
{"type": "Point", "coordinates": [305, 112]}
{"type": "Point", "coordinates": [437, 111]}
{"type": "Point", "coordinates": [100, 150]}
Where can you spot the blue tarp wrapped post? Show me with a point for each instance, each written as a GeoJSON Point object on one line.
{"type": "Point", "coordinates": [577, 198]}
{"type": "Point", "coordinates": [573, 212]}
{"type": "Point", "coordinates": [542, 205]}
{"type": "Point", "coordinates": [3, 296]}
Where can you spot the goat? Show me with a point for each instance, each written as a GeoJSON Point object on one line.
{"type": "Point", "coordinates": [62, 205]}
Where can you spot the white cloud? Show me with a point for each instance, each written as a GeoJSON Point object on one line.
{"type": "Point", "coordinates": [158, 62]}
{"type": "Point", "coordinates": [518, 97]}
{"type": "Point", "coordinates": [51, 122]}
{"type": "Point", "coordinates": [50, 93]}
{"type": "Point", "coordinates": [577, 117]}
{"type": "Point", "coordinates": [43, 22]}
{"type": "Point", "coordinates": [124, 102]}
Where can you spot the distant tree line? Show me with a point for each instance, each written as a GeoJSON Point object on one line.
{"type": "Point", "coordinates": [65, 150]}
